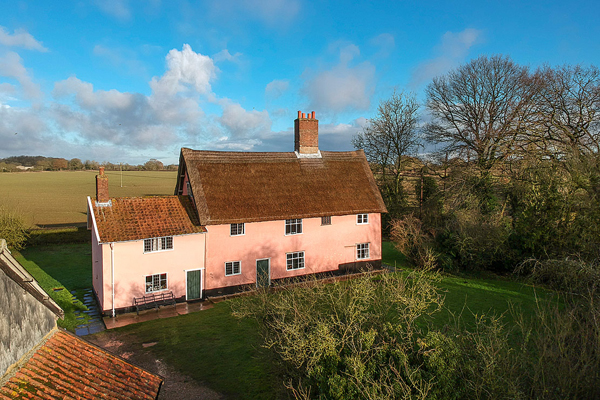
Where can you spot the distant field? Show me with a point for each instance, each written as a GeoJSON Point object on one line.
{"type": "Point", "coordinates": [59, 197]}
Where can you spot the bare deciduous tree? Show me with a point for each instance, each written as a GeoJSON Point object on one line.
{"type": "Point", "coordinates": [387, 140]}
{"type": "Point", "coordinates": [479, 108]}
{"type": "Point", "coordinates": [567, 112]}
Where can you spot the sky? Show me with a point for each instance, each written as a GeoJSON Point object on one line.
{"type": "Point", "coordinates": [128, 80]}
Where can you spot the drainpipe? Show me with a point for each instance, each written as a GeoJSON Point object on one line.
{"type": "Point", "coordinates": [112, 276]}
{"type": "Point", "coordinates": [203, 273]}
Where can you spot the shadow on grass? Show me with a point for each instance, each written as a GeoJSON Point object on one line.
{"type": "Point", "coordinates": [58, 234]}
{"type": "Point", "coordinates": [61, 266]}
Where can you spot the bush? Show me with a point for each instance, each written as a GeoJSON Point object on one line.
{"type": "Point", "coordinates": [573, 276]}
{"type": "Point", "coordinates": [352, 339]}
{"type": "Point", "coordinates": [472, 240]}
{"type": "Point", "coordinates": [12, 228]}
{"type": "Point", "coordinates": [409, 239]}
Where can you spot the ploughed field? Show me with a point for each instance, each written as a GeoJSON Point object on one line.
{"type": "Point", "coordinates": [58, 198]}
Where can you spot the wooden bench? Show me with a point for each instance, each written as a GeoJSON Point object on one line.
{"type": "Point", "coordinates": [153, 300]}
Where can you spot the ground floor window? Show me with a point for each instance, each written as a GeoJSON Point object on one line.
{"type": "Point", "coordinates": [233, 268]}
{"type": "Point", "coordinates": [156, 282]}
{"type": "Point", "coordinates": [362, 251]}
{"type": "Point", "coordinates": [295, 260]}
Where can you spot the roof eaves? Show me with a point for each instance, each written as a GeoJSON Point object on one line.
{"type": "Point", "coordinates": [143, 238]}
{"type": "Point", "coordinates": [17, 273]}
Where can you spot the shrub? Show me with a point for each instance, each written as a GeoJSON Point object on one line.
{"type": "Point", "coordinates": [574, 276]}
{"type": "Point", "coordinates": [472, 240]}
{"type": "Point", "coordinates": [409, 238]}
{"type": "Point", "coordinates": [352, 339]}
{"type": "Point", "coordinates": [12, 228]}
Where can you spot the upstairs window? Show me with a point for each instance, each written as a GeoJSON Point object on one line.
{"type": "Point", "coordinates": [362, 219]}
{"type": "Point", "coordinates": [362, 251]}
{"type": "Point", "coordinates": [156, 282]}
{"type": "Point", "coordinates": [237, 229]}
{"type": "Point", "coordinates": [158, 244]}
{"type": "Point", "coordinates": [294, 260]}
{"type": "Point", "coordinates": [293, 226]}
{"type": "Point", "coordinates": [233, 268]}
{"type": "Point", "coordinates": [325, 220]}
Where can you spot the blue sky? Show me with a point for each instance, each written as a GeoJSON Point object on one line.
{"type": "Point", "coordinates": [127, 80]}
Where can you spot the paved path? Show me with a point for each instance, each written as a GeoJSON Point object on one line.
{"type": "Point", "coordinates": [90, 321]}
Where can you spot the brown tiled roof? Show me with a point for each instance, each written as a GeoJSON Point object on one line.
{"type": "Point", "coordinates": [135, 218]}
{"type": "Point", "coordinates": [230, 187]}
{"type": "Point", "coordinates": [67, 367]}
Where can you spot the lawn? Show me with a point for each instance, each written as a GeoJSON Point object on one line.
{"type": "Point", "coordinates": [225, 353]}
{"type": "Point", "coordinates": [59, 197]}
{"type": "Point", "coordinates": [213, 348]}
{"type": "Point", "coordinates": [65, 266]}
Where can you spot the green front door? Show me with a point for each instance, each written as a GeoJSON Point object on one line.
{"type": "Point", "coordinates": [263, 273]}
{"type": "Point", "coordinates": [194, 284]}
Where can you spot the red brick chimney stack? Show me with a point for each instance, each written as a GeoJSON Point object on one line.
{"type": "Point", "coordinates": [102, 187]}
{"type": "Point", "coordinates": [306, 134]}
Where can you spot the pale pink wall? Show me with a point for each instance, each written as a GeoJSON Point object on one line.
{"type": "Point", "coordinates": [97, 274]}
{"type": "Point", "coordinates": [132, 265]}
{"type": "Point", "coordinates": [185, 181]}
{"type": "Point", "coordinates": [325, 247]}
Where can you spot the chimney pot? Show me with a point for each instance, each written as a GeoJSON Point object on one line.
{"type": "Point", "coordinates": [102, 171]}
{"type": "Point", "coordinates": [313, 115]}
{"type": "Point", "coordinates": [303, 115]}
{"type": "Point", "coordinates": [299, 114]}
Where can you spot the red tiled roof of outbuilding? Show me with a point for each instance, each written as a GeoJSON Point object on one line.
{"type": "Point", "coordinates": [231, 187]}
{"type": "Point", "coordinates": [135, 218]}
{"type": "Point", "coordinates": [67, 367]}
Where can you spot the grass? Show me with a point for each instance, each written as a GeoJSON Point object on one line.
{"type": "Point", "coordinates": [59, 197]}
{"type": "Point", "coordinates": [65, 266]}
{"type": "Point", "coordinates": [214, 348]}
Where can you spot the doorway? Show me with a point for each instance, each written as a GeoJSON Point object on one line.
{"type": "Point", "coordinates": [193, 284]}
{"type": "Point", "coordinates": [263, 272]}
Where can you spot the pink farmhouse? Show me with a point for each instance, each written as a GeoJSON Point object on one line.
{"type": "Point", "coordinates": [238, 219]}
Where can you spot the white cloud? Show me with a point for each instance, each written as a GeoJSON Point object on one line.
{"type": "Point", "coordinates": [11, 66]}
{"type": "Point", "coordinates": [115, 8]}
{"type": "Point", "coordinates": [88, 99]}
{"type": "Point", "coordinates": [21, 131]}
{"type": "Point", "coordinates": [452, 50]}
{"type": "Point", "coordinates": [276, 88]}
{"type": "Point", "coordinates": [185, 69]}
{"type": "Point", "coordinates": [343, 87]}
{"type": "Point", "coordinates": [20, 38]}
{"type": "Point", "coordinates": [242, 124]}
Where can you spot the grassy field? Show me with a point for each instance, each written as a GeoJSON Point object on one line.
{"type": "Point", "coordinates": [59, 197]}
